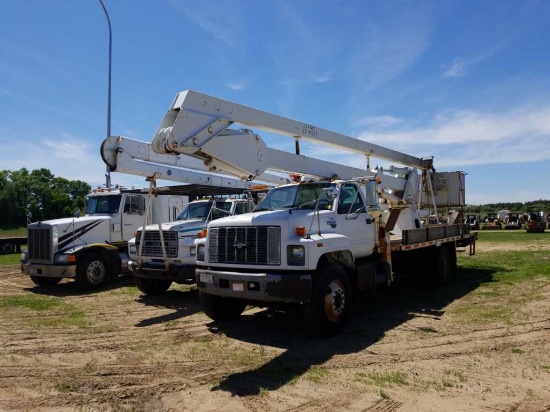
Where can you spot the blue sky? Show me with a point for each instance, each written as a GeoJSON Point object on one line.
{"type": "Point", "coordinates": [467, 82]}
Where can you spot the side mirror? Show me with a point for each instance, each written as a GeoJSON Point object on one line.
{"type": "Point", "coordinates": [332, 192]}
{"type": "Point", "coordinates": [77, 214]}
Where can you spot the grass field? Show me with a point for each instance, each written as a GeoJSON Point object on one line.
{"type": "Point", "coordinates": [481, 343]}
{"type": "Point", "coordinates": [22, 231]}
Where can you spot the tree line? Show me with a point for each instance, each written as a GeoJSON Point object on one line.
{"type": "Point", "coordinates": [518, 207]}
{"type": "Point", "coordinates": [47, 196]}
{"type": "Point", "coordinates": [39, 192]}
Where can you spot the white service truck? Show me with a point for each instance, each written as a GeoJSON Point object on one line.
{"type": "Point", "coordinates": [93, 248]}
{"type": "Point", "coordinates": [165, 253]}
{"type": "Point", "coordinates": [320, 242]}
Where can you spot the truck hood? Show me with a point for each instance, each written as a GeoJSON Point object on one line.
{"type": "Point", "coordinates": [65, 222]}
{"type": "Point", "coordinates": [75, 231]}
{"type": "Point", "coordinates": [184, 227]}
{"type": "Point", "coordinates": [275, 218]}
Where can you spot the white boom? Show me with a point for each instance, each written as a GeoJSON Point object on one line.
{"type": "Point", "coordinates": [129, 156]}
{"type": "Point", "coordinates": [197, 125]}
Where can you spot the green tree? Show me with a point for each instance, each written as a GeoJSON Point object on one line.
{"type": "Point", "coordinates": [39, 192]}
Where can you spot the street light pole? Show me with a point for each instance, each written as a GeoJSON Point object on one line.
{"type": "Point", "coordinates": [108, 172]}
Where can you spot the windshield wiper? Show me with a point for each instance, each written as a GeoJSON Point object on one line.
{"type": "Point", "coordinates": [263, 209]}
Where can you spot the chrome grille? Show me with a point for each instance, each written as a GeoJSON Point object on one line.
{"type": "Point", "coordinates": [39, 244]}
{"type": "Point", "coordinates": [152, 245]}
{"type": "Point", "coordinates": [258, 245]}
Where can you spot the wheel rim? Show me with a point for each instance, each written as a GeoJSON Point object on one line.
{"type": "Point", "coordinates": [335, 300]}
{"type": "Point", "coordinates": [8, 248]}
{"type": "Point", "coordinates": [95, 272]}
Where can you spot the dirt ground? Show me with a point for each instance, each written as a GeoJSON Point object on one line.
{"type": "Point", "coordinates": [406, 349]}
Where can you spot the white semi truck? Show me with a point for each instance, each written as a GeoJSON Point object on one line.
{"type": "Point", "coordinates": [93, 248]}
{"type": "Point", "coordinates": [320, 242]}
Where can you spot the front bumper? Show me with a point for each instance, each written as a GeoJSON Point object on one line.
{"type": "Point", "coordinates": [154, 270]}
{"type": "Point", "coordinates": [265, 287]}
{"type": "Point", "coordinates": [50, 271]}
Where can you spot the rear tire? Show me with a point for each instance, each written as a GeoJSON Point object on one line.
{"type": "Point", "coordinates": [327, 312]}
{"type": "Point", "coordinates": [152, 286]}
{"type": "Point", "coordinates": [221, 309]}
{"type": "Point", "coordinates": [91, 272]}
{"type": "Point", "coordinates": [7, 248]}
{"type": "Point", "coordinates": [442, 271]}
{"type": "Point", "coordinates": [45, 281]}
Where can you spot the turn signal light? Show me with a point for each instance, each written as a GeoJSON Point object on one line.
{"type": "Point", "coordinates": [202, 233]}
{"type": "Point", "coordinates": [300, 231]}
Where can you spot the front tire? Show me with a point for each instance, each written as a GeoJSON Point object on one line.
{"type": "Point", "coordinates": [45, 281]}
{"type": "Point", "coordinates": [91, 272]}
{"type": "Point", "coordinates": [152, 286]}
{"type": "Point", "coordinates": [327, 313]}
{"type": "Point", "coordinates": [221, 309]}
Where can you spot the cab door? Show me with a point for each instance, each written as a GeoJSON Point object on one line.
{"type": "Point", "coordinates": [354, 222]}
{"type": "Point", "coordinates": [133, 210]}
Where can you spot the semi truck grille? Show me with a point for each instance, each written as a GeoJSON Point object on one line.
{"type": "Point", "coordinates": [39, 244]}
{"type": "Point", "coordinates": [259, 245]}
{"type": "Point", "coordinates": [152, 245]}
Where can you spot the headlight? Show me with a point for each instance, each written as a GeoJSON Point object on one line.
{"type": "Point", "coordinates": [295, 255]}
{"type": "Point", "coordinates": [66, 258]}
{"type": "Point", "coordinates": [132, 250]}
{"type": "Point", "coordinates": [200, 253]}
{"type": "Point", "coordinates": [192, 250]}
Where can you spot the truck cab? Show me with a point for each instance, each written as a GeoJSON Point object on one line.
{"type": "Point", "coordinates": [92, 248]}
{"type": "Point", "coordinates": [155, 266]}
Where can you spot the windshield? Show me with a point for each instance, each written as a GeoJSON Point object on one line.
{"type": "Point", "coordinates": [222, 209]}
{"type": "Point", "coordinates": [300, 196]}
{"type": "Point", "coordinates": [103, 204]}
{"type": "Point", "coordinates": [198, 210]}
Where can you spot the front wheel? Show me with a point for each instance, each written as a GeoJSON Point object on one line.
{"type": "Point", "coordinates": [219, 308]}
{"type": "Point", "coordinates": [91, 272]}
{"type": "Point", "coordinates": [45, 281]}
{"type": "Point", "coordinates": [152, 286]}
{"type": "Point", "coordinates": [327, 312]}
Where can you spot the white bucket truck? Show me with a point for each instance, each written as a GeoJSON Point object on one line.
{"type": "Point", "coordinates": [317, 243]}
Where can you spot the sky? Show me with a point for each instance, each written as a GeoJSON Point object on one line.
{"type": "Point", "coordinates": [467, 82]}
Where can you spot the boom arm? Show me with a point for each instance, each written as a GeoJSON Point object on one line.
{"type": "Point", "coordinates": [197, 124]}
{"type": "Point", "coordinates": [125, 155]}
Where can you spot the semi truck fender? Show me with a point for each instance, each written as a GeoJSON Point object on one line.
{"type": "Point", "coordinates": [110, 254]}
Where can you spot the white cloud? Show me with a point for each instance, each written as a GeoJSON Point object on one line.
{"type": "Point", "coordinates": [223, 20]}
{"type": "Point", "coordinates": [236, 86]}
{"type": "Point", "coordinates": [377, 121]}
{"type": "Point", "coordinates": [457, 139]}
{"type": "Point", "coordinates": [456, 69]}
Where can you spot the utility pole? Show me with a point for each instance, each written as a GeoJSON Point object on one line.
{"type": "Point", "coordinates": [108, 172]}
